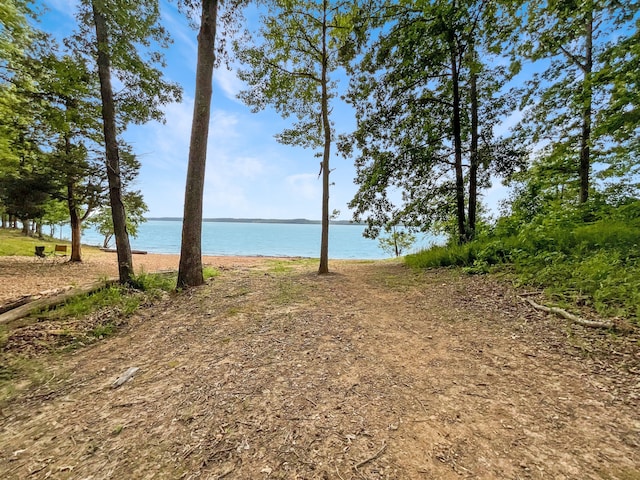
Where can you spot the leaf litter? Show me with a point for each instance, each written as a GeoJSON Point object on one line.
{"type": "Point", "coordinates": [372, 372]}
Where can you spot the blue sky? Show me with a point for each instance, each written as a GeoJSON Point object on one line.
{"type": "Point", "coordinates": [248, 174]}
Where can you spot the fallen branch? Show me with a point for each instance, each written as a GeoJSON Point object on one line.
{"type": "Point", "coordinates": [41, 303]}
{"type": "Point", "coordinates": [128, 375]}
{"type": "Point", "coordinates": [225, 473]}
{"type": "Point", "coordinates": [370, 459]}
{"type": "Point", "coordinates": [18, 303]}
{"type": "Point", "coordinates": [569, 316]}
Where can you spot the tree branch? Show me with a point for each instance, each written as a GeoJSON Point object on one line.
{"type": "Point", "coordinates": [568, 316]}
{"type": "Point", "coordinates": [573, 58]}
{"type": "Point", "coordinates": [293, 74]}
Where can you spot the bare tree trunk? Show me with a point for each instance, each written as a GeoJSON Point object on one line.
{"type": "Point", "coordinates": [474, 160]}
{"type": "Point", "coordinates": [326, 126]}
{"type": "Point", "coordinates": [123, 247]}
{"type": "Point", "coordinates": [26, 227]}
{"type": "Point", "coordinates": [190, 269]}
{"type": "Point", "coordinates": [587, 92]}
{"type": "Point", "coordinates": [457, 140]}
{"type": "Point", "coordinates": [76, 252]}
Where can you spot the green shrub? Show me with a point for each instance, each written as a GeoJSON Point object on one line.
{"type": "Point", "coordinates": [595, 263]}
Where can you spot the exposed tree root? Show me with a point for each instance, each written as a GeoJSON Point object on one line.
{"type": "Point", "coordinates": [569, 316]}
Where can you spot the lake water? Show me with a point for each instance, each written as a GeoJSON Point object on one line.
{"type": "Point", "coordinates": [255, 239]}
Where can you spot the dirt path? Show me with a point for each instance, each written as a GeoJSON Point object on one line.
{"type": "Point", "coordinates": [373, 372]}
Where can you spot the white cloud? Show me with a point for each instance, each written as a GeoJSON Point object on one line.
{"type": "Point", "coordinates": [248, 174]}
{"type": "Point", "coordinates": [248, 167]}
{"type": "Point", "coordinates": [167, 145]}
{"type": "Point", "coordinates": [304, 185]}
{"type": "Point", "coordinates": [223, 126]}
{"type": "Point", "coordinates": [228, 82]}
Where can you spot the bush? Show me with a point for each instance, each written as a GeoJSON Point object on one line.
{"type": "Point", "coordinates": [595, 263]}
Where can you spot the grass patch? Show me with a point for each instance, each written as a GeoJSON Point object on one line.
{"type": "Point", "coordinates": [595, 264]}
{"type": "Point", "coordinates": [115, 297]}
{"type": "Point", "coordinates": [284, 266]}
{"type": "Point", "coordinates": [13, 242]}
{"type": "Point", "coordinates": [18, 372]}
{"type": "Point", "coordinates": [209, 272]}
{"type": "Point", "coordinates": [82, 320]}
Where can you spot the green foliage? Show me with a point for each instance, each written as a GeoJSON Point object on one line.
{"type": "Point", "coordinates": [290, 66]}
{"type": "Point", "coordinates": [15, 32]}
{"type": "Point", "coordinates": [595, 264]}
{"type": "Point", "coordinates": [397, 241]}
{"type": "Point", "coordinates": [414, 92]}
{"type": "Point", "coordinates": [210, 272]}
{"type": "Point", "coordinates": [136, 40]}
{"type": "Point", "coordinates": [25, 195]}
{"type": "Point", "coordinates": [582, 107]}
{"type": "Point", "coordinates": [155, 283]}
{"type": "Point", "coordinates": [113, 297]}
{"type": "Point", "coordinates": [135, 208]}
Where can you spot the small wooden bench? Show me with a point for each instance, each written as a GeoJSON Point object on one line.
{"type": "Point", "coordinates": [60, 251]}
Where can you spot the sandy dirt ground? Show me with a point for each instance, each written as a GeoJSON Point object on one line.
{"type": "Point", "coordinates": [373, 372]}
{"type": "Point", "coordinates": [21, 276]}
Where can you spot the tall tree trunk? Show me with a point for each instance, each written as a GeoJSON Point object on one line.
{"type": "Point", "coordinates": [76, 253]}
{"type": "Point", "coordinates": [587, 92]}
{"type": "Point", "coordinates": [457, 140]}
{"type": "Point", "coordinates": [190, 269]}
{"type": "Point", "coordinates": [123, 247]}
{"type": "Point", "coordinates": [326, 126]}
{"type": "Point", "coordinates": [26, 227]}
{"type": "Point", "coordinates": [473, 160]}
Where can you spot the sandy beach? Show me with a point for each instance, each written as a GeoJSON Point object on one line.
{"type": "Point", "coordinates": [21, 276]}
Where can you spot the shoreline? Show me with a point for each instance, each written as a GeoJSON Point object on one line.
{"type": "Point", "coordinates": [230, 255]}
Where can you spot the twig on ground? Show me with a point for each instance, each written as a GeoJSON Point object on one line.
{"type": "Point", "coordinates": [422, 405]}
{"type": "Point", "coordinates": [568, 316]}
{"type": "Point", "coordinates": [125, 377]}
{"type": "Point", "coordinates": [370, 459]}
{"type": "Point", "coordinates": [224, 474]}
